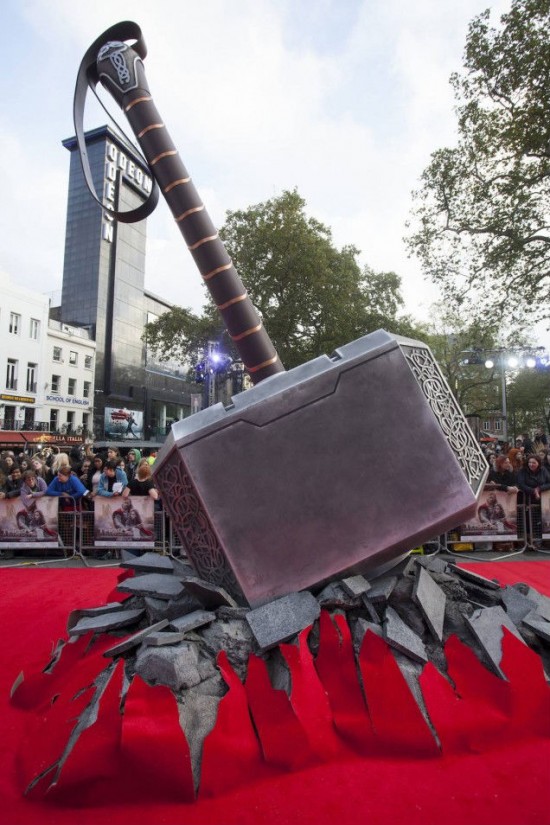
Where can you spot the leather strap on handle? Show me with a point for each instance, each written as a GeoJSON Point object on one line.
{"type": "Point", "coordinates": [87, 76]}
{"type": "Point", "coordinates": [120, 69]}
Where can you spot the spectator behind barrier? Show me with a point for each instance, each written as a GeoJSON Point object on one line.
{"type": "Point", "coordinates": [33, 487]}
{"type": "Point", "coordinates": [134, 457]}
{"type": "Point", "coordinates": [516, 459]}
{"type": "Point", "coordinates": [142, 484]}
{"type": "Point", "coordinates": [502, 476]}
{"type": "Point", "coordinates": [533, 479]}
{"type": "Point", "coordinates": [112, 476]}
{"type": "Point", "coordinates": [60, 460]}
{"type": "Point", "coordinates": [67, 487]}
{"type": "Point", "coordinates": [12, 488]}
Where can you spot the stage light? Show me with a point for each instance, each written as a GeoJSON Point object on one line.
{"type": "Point", "coordinates": [530, 362]}
{"type": "Point", "coordinates": [489, 363]}
{"type": "Point", "coordinates": [513, 361]}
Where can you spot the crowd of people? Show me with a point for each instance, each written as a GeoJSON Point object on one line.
{"type": "Point", "coordinates": [78, 477]}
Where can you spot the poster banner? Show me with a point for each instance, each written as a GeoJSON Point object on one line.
{"type": "Point", "coordinates": [124, 522]}
{"type": "Point", "coordinates": [495, 519]}
{"type": "Point", "coordinates": [121, 423]}
{"type": "Point", "coordinates": [28, 527]}
{"type": "Point", "coordinates": [545, 508]}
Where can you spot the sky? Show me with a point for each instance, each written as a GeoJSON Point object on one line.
{"type": "Point", "coordinates": [343, 99]}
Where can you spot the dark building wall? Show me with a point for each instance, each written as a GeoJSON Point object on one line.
{"type": "Point", "coordinates": [103, 281]}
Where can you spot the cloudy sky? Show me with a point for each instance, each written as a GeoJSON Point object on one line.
{"type": "Point", "coordinates": [343, 99]}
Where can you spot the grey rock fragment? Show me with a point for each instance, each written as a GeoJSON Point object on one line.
{"type": "Point", "coordinates": [279, 620]}
{"type": "Point", "coordinates": [381, 589]}
{"type": "Point", "coordinates": [468, 575]}
{"type": "Point", "coordinates": [435, 564]}
{"type": "Point", "coordinates": [542, 602]}
{"type": "Point", "coordinates": [431, 600]}
{"type": "Point", "coordinates": [76, 615]}
{"type": "Point", "coordinates": [134, 640]}
{"type": "Point", "coordinates": [333, 596]}
{"type": "Point", "coordinates": [371, 609]}
{"type": "Point", "coordinates": [161, 638]}
{"type": "Point", "coordinates": [486, 624]}
{"type": "Point", "coordinates": [399, 635]}
{"type": "Point", "coordinates": [198, 713]}
{"type": "Point", "coordinates": [158, 585]}
{"type": "Point", "coordinates": [355, 585]}
{"type": "Point", "coordinates": [174, 666]}
{"type": "Point", "coordinates": [158, 609]}
{"type": "Point", "coordinates": [226, 612]}
{"type": "Point", "coordinates": [209, 595]}
{"type": "Point", "coordinates": [234, 637]}
{"type": "Point", "coordinates": [411, 671]}
{"type": "Point", "coordinates": [106, 621]}
{"type": "Point", "coordinates": [190, 621]}
{"type": "Point", "coordinates": [539, 626]}
{"type": "Point", "coordinates": [149, 563]}
{"type": "Point", "coordinates": [517, 605]}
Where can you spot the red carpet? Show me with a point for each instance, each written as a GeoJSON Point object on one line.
{"type": "Point", "coordinates": [495, 767]}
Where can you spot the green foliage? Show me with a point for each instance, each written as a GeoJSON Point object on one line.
{"type": "Point", "coordinates": [312, 296]}
{"type": "Point", "coordinates": [529, 401]}
{"type": "Point", "coordinates": [481, 217]}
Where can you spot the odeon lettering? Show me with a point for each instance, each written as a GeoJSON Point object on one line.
{"type": "Point", "coordinates": [115, 160]}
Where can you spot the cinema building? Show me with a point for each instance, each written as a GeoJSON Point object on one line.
{"type": "Point", "coordinates": [136, 399]}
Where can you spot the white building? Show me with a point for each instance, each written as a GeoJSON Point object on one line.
{"type": "Point", "coordinates": [23, 334]}
{"type": "Point", "coordinates": [47, 378]}
{"type": "Point", "coordinates": [69, 379]}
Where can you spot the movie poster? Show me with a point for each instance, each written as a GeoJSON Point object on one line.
{"type": "Point", "coordinates": [121, 423]}
{"type": "Point", "coordinates": [124, 522]}
{"type": "Point", "coordinates": [545, 509]}
{"type": "Point", "coordinates": [495, 519]}
{"type": "Point", "coordinates": [28, 527]}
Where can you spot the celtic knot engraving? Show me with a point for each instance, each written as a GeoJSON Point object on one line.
{"type": "Point", "coordinates": [193, 527]}
{"type": "Point", "coordinates": [448, 414]}
{"type": "Point", "coordinates": [114, 51]}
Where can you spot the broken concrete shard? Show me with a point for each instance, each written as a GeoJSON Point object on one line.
{"type": "Point", "coordinates": [135, 640]}
{"type": "Point", "coordinates": [399, 635]}
{"type": "Point", "coordinates": [209, 595]}
{"type": "Point", "coordinates": [431, 600]}
{"type": "Point", "coordinates": [233, 636]}
{"type": "Point", "coordinates": [434, 563]}
{"type": "Point", "coordinates": [538, 625]}
{"type": "Point", "coordinates": [278, 621]}
{"type": "Point", "coordinates": [474, 577]}
{"type": "Point", "coordinates": [542, 602]}
{"type": "Point", "coordinates": [158, 609]}
{"type": "Point", "coordinates": [161, 638]}
{"type": "Point", "coordinates": [174, 666]}
{"type": "Point", "coordinates": [76, 615]}
{"type": "Point", "coordinates": [517, 605]}
{"type": "Point", "coordinates": [333, 596]}
{"type": "Point", "coordinates": [355, 585]}
{"type": "Point", "coordinates": [359, 630]}
{"type": "Point", "coordinates": [486, 624]}
{"type": "Point", "coordinates": [381, 589]}
{"type": "Point", "coordinates": [158, 585]}
{"type": "Point", "coordinates": [198, 714]}
{"type": "Point", "coordinates": [197, 618]}
{"type": "Point", "coordinates": [149, 563]}
{"type": "Point", "coordinates": [106, 621]}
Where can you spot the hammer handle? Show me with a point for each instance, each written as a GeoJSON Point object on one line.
{"type": "Point", "coordinates": [242, 321]}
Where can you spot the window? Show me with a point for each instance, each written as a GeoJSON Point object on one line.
{"type": "Point", "coordinates": [35, 329]}
{"type": "Point", "coordinates": [498, 426]}
{"type": "Point", "coordinates": [70, 421]}
{"type": "Point", "coordinates": [86, 391]}
{"type": "Point", "coordinates": [72, 386]}
{"type": "Point", "coordinates": [56, 383]}
{"type": "Point", "coordinates": [73, 358]}
{"type": "Point", "coordinates": [57, 354]}
{"type": "Point", "coordinates": [31, 377]}
{"type": "Point", "coordinates": [54, 418]}
{"type": "Point", "coordinates": [88, 362]}
{"type": "Point", "coordinates": [11, 375]}
{"type": "Point", "coordinates": [85, 421]}
{"type": "Point", "coordinates": [486, 425]}
{"type": "Point", "coordinates": [15, 323]}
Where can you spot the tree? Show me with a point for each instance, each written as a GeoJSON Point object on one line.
{"type": "Point", "coordinates": [481, 218]}
{"type": "Point", "coordinates": [529, 400]}
{"type": "Point", "coordinates": [312, 296]}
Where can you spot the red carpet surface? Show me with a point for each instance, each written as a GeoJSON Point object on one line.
{"type": "Point", "coordinates": [495, 766]}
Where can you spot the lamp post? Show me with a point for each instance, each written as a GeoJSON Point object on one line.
{"type": "Point", "coordinates": [506, 359]}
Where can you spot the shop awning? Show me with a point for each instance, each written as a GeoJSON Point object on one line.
{"type": "Point", "coordinates": [10, 438]}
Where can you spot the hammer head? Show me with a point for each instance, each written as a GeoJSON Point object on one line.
{"type": "Point", "coordinates": [341, 465]}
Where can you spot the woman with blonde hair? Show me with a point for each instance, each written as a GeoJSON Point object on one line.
{"type": "Point", "coordinates": [60, 460]}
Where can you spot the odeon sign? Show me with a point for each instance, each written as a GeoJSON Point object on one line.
{"type": "Point", "coordinates": [116, 160]}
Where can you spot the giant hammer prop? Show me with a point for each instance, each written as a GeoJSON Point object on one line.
{"type": "Point", "coordinates": [341, 465]}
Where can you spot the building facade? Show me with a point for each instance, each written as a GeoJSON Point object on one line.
{"type": "Point", "coordinates": [104, 293]}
